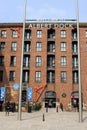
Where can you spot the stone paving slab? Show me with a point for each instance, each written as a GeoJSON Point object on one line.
{"type": "Point", "coordinates": [34, 121]}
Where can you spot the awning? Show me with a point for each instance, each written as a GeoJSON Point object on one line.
{"type": "Point", "coordinates": [75, 95]}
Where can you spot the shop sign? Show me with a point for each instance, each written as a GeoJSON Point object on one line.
{"type": "Point", "coordinates": [50, 25]}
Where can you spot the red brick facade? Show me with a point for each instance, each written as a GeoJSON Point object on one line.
{"type": "Point", "coordinates": [63, 89]}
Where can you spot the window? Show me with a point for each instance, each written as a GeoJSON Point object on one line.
{"type": "Point", "coordinates": [63, 76]}
{"type": "Point", "coordinates": [14, 34]}
{"type": "Point", "coordinates": [74, 35]}
{"type": "Point", "coordinates": [38, 76]}
{"type": "Point", "coordinates": [63, 33]}
{"type": "Point", "coordinates": [14, 46]}
{"type": "Point", "coordinates": [74, 47]}
{"type": "Point", "coordinates": [51, 61]}
{"type": "Point", "coordinates": [51, 33]}
{"type": "Point", "coordinates": [51, 47]}
{"type": "Point", "coordinates": [75, 77]}
{"type": "Point", "coordinates": [13, 61]}
{"type": "Point", "coordinates": [86, 33]}
{"type": "Point", "coordinates": [63, 46]}
{"type": "Point", "coordinates": [27, 47]}
{"type": "Point", "coordinates": [38, 60]}
{"type": "Point", "coordinates": [2, 46]}
{"type": "Point", "coordinates": [1, 76]}
{"type": "Point", "coordinates": [75, 61]}
{"type": "Point", "coordinates": [63, 61]}
{"type": "Point", "coordinates": [39, 33]}
{"type": "Point", "coordinates": [27, 34]}
{"type": "Point", "coordinates": [38, 46]}
{"type": "Point", "coordinates": [26, 61]}
{"type": "Point", "coordinates": [51, 77]}
{"type": "Point", "coordinates": [3, 33]}
{"type": "Point", "coordinates": [1, 60]}
{"type": "Point", "coordinates": [25, 76]}
{"type": "Point", "coordinates": [12, 76]}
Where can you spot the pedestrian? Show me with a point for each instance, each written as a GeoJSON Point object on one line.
{"type": "Point", "coordinates": [61, 106]}
{"type": "Point", "coordinates": [7, 108]}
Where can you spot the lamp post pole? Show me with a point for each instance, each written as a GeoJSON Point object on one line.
{"type": "Point", "coordinates": [21, 69]}
{"type": "Point", "coordinates": [79, 64]}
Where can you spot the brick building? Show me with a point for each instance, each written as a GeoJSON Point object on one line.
{"type": "Point", "coordinates": [50, 61]}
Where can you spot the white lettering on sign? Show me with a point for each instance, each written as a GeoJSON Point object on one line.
{"type": "Point", "coordinates": [46, 25]}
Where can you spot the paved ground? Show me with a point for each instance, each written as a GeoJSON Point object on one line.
{"type": "Point", "coordinates": [34, 121]}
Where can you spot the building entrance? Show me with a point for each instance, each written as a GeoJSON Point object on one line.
{"type": "Point", "coordinates": [1, 105]}
{"type": "Point", "coordinates": [50, 99]}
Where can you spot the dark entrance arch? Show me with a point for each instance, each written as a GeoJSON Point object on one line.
{"type": "Point", "coordinates": [75, 99]}
{"type": "Point", "coordinates": [50, 99]}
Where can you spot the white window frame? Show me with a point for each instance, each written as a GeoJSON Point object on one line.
{"type": "Point", "coordinates": [63, 61]}
{"type": "Point", "coordinates": [39, 33]}
{"type": "Point", "coordinates": [13, 46]}
{"type": "Point", "coordinates": [63, 33]}
{"type": "Point", "coordinates": [38, 76]}
{"type": "Point", "coordinates": [38, 46]}
{"type": "Point", "coordinates": [63, 46]}
{"type": "Point", "coordinates": [14, 33]}
{"type": "Point", "coordinates": [3, 33]}
{"type": "Point", "coordinates": [38, 61]}
{"type": "Point", "coordinates": [63, 76]}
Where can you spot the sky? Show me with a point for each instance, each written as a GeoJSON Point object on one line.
{"type": "Point", "coordinates": [13, 10]}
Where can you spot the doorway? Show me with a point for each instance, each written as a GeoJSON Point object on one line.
{"type": "Point", "coordinates": [50, 99]}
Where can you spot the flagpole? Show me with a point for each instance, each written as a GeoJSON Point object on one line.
{"type": "Point", "coordinates": [21, 70]}
{"type": "Point", "coordinates": [79, 64]}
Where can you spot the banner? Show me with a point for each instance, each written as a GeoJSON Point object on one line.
{"type": "Point", "coordinates": [2, 93]}
{"type": "Point", "coordinates": [29, 94]}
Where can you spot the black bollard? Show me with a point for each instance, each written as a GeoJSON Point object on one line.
{"type": "Point", "coordinates": [57, 109]}
{"type": "Point", "coordinates": [43, 117]}
{"type": "Point", "coordinates": [46, 109]}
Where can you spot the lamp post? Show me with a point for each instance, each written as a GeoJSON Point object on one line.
{"type": "Point", "coordinates": [79, 64]}
{"type": "Point", "coordinates": [21, 70]}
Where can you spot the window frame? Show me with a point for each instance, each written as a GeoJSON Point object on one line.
{"type": "Point", "coordinates": [63, 76]}
{"type": "Point", "coordinates": [14, 33]}
{"type": "Point", "coordinates": [2, 46]}
{"type": "Point", "coordinates": [12, 76]}
{"type": "Point", "coordinates": [1, 60]}
{"type": "Point", "coordinates": [13, 60]}
{"type": "Point", "coordinates": [63, 61]}
{"type": "Point", "coordinates": [86, 33]}
{"type": "Point", "coordinates": [3, 33]}
{"type": "Point", "coordinates": [63, 33]}
{"type": "Point", "coordinates": [1, 76]}
{"type": "Point", "coordinates": [63, 46]}
{"type": "Point", "coordinates": [39, 33]}
{"type": "Point", "coordinates": [38, 76]}
{"type": "Point", "coordinates": [14, 46]}
{"type": "Point", "coordinates": [38, 60]}
{"type": "Point", "coordinates": [38, 46]}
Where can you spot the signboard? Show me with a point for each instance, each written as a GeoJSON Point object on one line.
{"type": "Point", "coordinates": [29, 94]}
{"type": "Point", "coordinates": [16, 86]}
{"type": "Point", "coordinates": [50, 25]}
{"type": "Point", "coordinates": [2, 93]}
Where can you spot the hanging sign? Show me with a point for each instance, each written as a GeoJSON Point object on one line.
{"type": "Point", "coordinates": [2, 93]}
{"type": "Point", "coordinates": [29, 94]}
{"type": "Point", "coordinates": [16, 86]}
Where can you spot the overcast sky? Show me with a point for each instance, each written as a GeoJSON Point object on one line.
{"type": "Point", "coordinates": [13, 10]}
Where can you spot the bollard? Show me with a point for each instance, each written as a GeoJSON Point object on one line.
{"type": "Point", "coordinates": [57, 109]}
{"type": "Point", "coordinates": [46, 109]}
{"type": "Point", "coordinates": [43, 117]}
